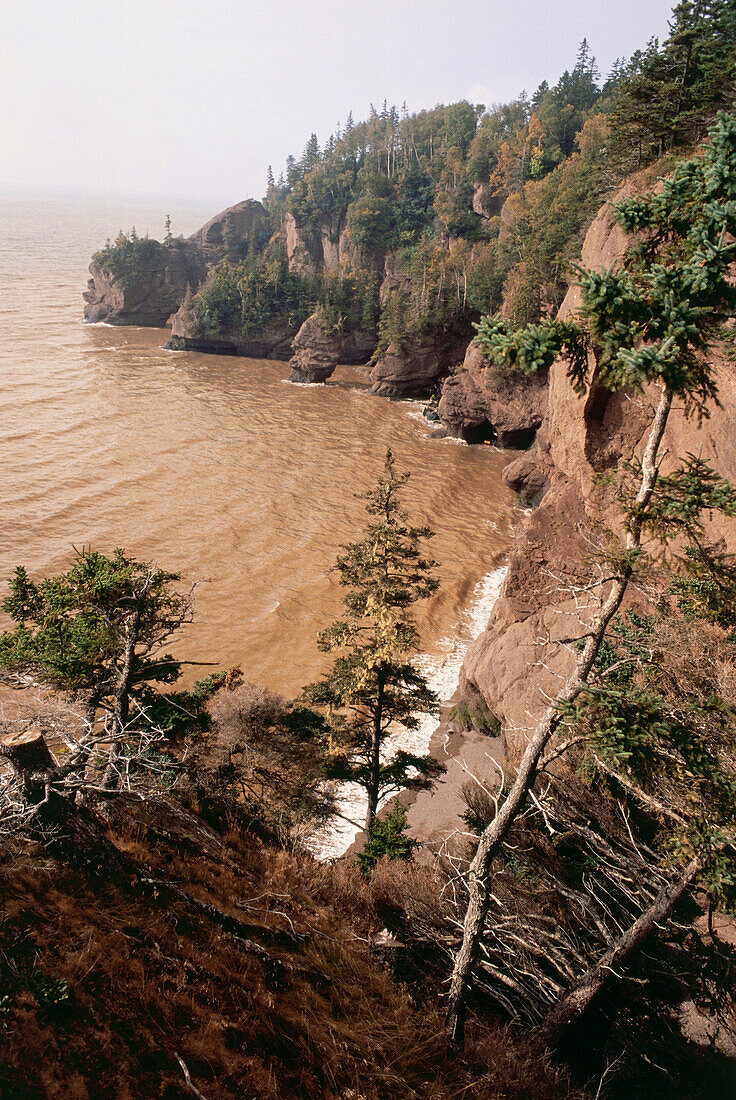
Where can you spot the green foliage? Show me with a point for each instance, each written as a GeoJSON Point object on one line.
{"type": "Point", "coordinates": [253, 294]}
{"type": "Point", "coordinates": [477, 717]}
{"type": "Point", "coordinates": [549, 222]}
{"type": "Point", "coordinates": [387, 839]}
{"type": "Point", "coordinates": [131, 256]}
{"type": "Point", "coordinates": [654, 320]}
{"type": "Point", "coordinates": [675, 510]}
{"type": "Point", "coordinates": [372, 685]}
{"type": "Point", "coordinates": [442, 286]}
{"type": "Point", "coordinates": [49, 992]}
{"type": "Point", "coordinates": [348, 300]}
{"type": "Point", "coordinates": [534, 347]}
{"type": "Point", "coordinates": [263, 756]}
{"type": "Point", "coordinates": [184, 712]}
{"type": "Point", "coordinates": [705, 585]}
{"type": "Point", "coordinates": [248, 296]}
{"type": "Point", "coordinates": [372, 220]}
{"type": "Point", "coordinates": [660, 715]}
{"type": "Point", "coordinates": [72, 629]}
{"type": "Point", "coordinates": [670, 94]}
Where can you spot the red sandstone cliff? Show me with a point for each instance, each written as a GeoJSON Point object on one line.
{"type": "Point", "coordinates": [519, 662]}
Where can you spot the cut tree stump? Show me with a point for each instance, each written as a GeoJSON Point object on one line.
{"type": "Point", "coordinates": [27, 750]}
{"type": "Point", "coordinates": [28, 755]}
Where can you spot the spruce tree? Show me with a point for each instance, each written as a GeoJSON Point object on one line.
{"type": "Point", "coordinates": [97, 630]}
{"type": "Point", "coordinates": [373, 687]}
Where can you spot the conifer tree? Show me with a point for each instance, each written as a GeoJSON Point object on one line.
{"type": "Point", "coordinates": [672, 92]}
{"type": "Point", "coordinates": [373, 687]}
{"type": "Point", "coordinates": [97, 630]}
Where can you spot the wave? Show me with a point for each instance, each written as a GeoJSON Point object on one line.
{"type": "Point", "coordinates": [442, 671]}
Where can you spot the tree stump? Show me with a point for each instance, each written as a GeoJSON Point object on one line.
{"type": "Point", "coordinates": [28, 755]}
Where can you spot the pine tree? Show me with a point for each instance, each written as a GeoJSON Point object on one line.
{"type": "Point", "coordinates": [97, 630]}
{"type": "Point", "coordinates": [672, 93]}
{"type": "Point", "coordinates": [168, 237]}
{"type": "Point", "coordinates": [372, 687]}
{"type": "Point", "coordinates": [311, 156]}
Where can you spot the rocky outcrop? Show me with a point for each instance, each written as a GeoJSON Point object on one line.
{"type": "Point", "coordinates": [487, 201]}
{"type": "Point", "coordinates": [413, 365]}
{"type": "Point", "coordinates": [412, 368]}
{"type": "Point", "coordinates": [328, 249]}
{"type": "Point", "coordinates": [152, 294]}
{"type": "Point", "coordinates": [528, 476]}
{"type": "Point", "coordinates": [357, 346]}
{"type": "Point", "coordinates": [149, 286]}
{"type": "Point", "coordinates": [272, 341]}
{"type": "Point", "coordinates": [234, 230]}
{"type": "Point", "coordinates": [509, 214]}
{"type": "Point", "coordinates": [303, 250]}
{"type": "Point", "coordinates": [479, 403]}
{"type": "Point", "coordinates": [316, 352]}
{"type": "Point", "coordinates": [521, 661]}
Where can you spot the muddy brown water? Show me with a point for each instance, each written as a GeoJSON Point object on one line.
{"type": "Point", "coordinates": [212, 465]}
{"type": "Point", "coordinates": [216, 466]}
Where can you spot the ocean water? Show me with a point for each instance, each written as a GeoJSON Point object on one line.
{"type": "Point", "coordinates": [215, 466]}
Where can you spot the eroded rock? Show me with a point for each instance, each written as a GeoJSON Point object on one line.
{"type": "Point", "coordinates": [149, 290]}
{"type": "Point", "coordinates": [162, 275]}
{"type": "Point", "coordinates": [480, 403]}
{"type": "Point", "coordinates": [316, 352]}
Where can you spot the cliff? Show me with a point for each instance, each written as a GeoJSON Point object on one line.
{"type": "Point", "coordinates": [479, 403]}
{"type": "Point", "coordinates": [143, 282]}
{"type": "Point", "coordinates": [147, 291]}
{"type": "Point", "coordinates": [414, 359]}
{"type": "Point", "coordinates": [520, 661]}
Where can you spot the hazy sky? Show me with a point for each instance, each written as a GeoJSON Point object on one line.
{"type": "Point", "coordinates": [193, 99]}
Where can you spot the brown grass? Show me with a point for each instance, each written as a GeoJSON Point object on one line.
{"type": "Point", "coordinates": [103, 986]}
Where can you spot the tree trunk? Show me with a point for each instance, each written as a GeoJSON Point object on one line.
{"type": "Point", "coordinates": [579, 999]}
{"type": "Point", "coordinates": [29, 757]}
{"type": "Point", "coordinates": [121, 708]}
{"type": "Point", "coordinates": [375, 779]}
{"type": "Point", "coordinates": [496, 831]}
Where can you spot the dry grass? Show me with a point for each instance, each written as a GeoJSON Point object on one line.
{"type": "Point", "coordinates": [102, 987]}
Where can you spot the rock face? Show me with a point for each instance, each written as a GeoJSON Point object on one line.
{"type": "Point", "coordinates": [519, 662]}
{"type": "Point", "coordinates": [412, 367]}
{"type": "Point", "coordinates": [160, 284]}
{"type": "Point", "coordinates": [327, 250]}
{"type": "Point", "coordinates": [478, 403]}
{"type": "Point", "coordinates": [528, 475]}
{"type": "Point", "coordinates": [486, 201]}
{"type": "Point", "coordinates": [155, 289]}
{"type": "Point", "coordinates": [302, 250]}
{"type": "Point", "coordinates": [272, 341]}
{"type": "Point", "coordinates": [234, 228]}
{"type": "Point", "coordinates": [316, 352]}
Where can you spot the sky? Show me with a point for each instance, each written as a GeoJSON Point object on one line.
{"type": "Point", "coordinates": [193, 99]}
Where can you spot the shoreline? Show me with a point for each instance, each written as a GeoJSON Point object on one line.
{"type": "Point", "coordinates": [435, 811]}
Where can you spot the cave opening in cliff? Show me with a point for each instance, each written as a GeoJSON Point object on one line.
{"type": "Point", "coordinates": [480, 433]}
